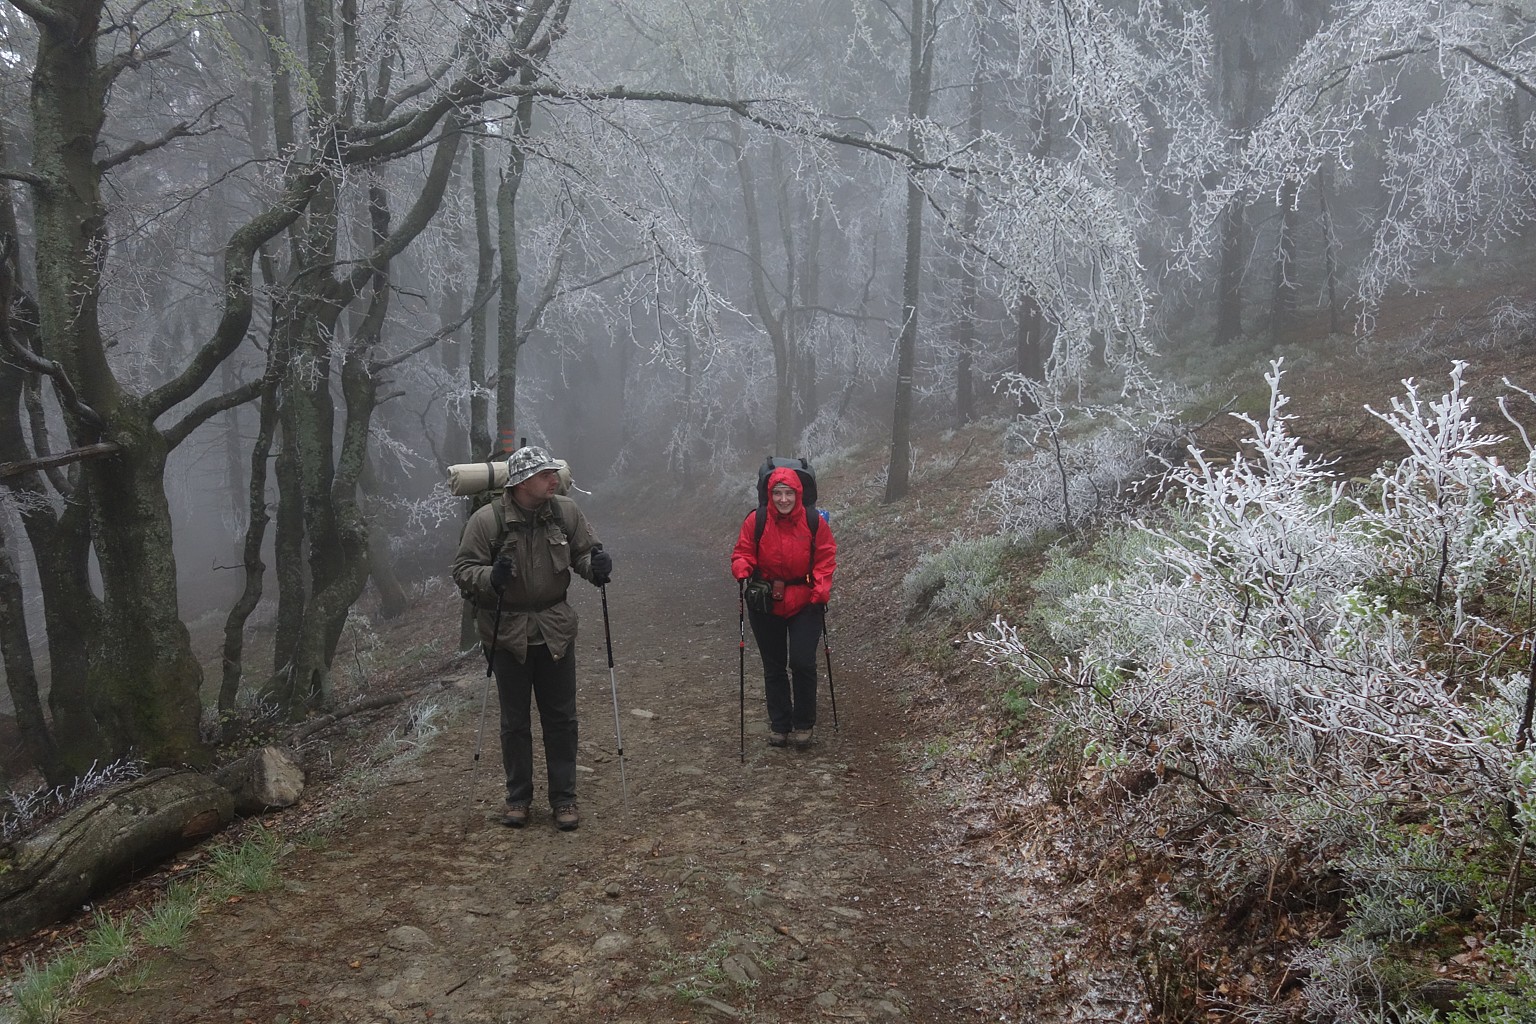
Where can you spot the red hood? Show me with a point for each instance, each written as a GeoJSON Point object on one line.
{"type": "Point", "coordinates": [785, 475]}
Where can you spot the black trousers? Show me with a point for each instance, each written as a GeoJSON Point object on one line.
{"type": "Point", "coordinates": [788, 648]}
{"type": "Point", "coordinates": [553, 684]}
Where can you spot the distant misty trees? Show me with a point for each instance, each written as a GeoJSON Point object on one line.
{"type": "Point", "coordinates": [363, 242]}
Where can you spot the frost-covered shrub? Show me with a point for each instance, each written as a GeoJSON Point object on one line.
{"type": "Point", "coordinates": [1079, 462]}
{"type": "Point", "coordinates": [1053, 489]}
{"type": "Point", "coordinates": [1307, 661]}
{"type": "Point", "coordinates": [964, 578]}
{"type": "Point", "coordinates": [1117, 551]}
{"type": "Point", "coordinates": [1402, 880]}
{"type": "Point", "coordinates": [28, 811]}
{"type": "Point", "coordinates": [359, 648]}
{"type": "Point", "coordinates": [411, 737]}
{"type": "Point", "coordinates": [1346, 982]}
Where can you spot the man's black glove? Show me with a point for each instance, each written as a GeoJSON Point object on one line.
{"type": "Point", "coordinates": [503, 571]}
{"type": "Point", "coordinates": [601, 565]}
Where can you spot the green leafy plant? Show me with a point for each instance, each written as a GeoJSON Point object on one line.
{"type": "Point", "coordinates": [1513, 1002]}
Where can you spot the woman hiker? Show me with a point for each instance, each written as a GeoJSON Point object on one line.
{"type": "Point", "coordinates": [796, 566]}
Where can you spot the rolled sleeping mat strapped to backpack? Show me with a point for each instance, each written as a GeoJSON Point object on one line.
{"type": "Point", "coordinates": [473, 477]}
{"type": "Point", "coordinates": [467, 478]}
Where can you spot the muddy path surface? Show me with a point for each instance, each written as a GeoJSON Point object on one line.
{"type": "Point", "coordinates": [793, 886]}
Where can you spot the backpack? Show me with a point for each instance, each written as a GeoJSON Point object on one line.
{"type": "Point", "coordinates": [813, 515]}
{"type": "Point", "coordinates": [803, 470]}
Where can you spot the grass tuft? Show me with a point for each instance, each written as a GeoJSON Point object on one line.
{"type": "Point", "coordinates": [167, 923]}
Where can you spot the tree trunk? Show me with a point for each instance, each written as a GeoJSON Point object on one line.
{"type": "Point", "coordinates": [508, 336]}
{"type": "Point", "coordinates": [479, 323]}
{"type": "Point", "coordinates": [381, 564]}
{"type": "Point", "coordinates": [774, 322]}
{"type": "Point", "coordinates": [288, 546]}
{"type": "Point", "coordinates": [1229, 277]}
{"type": "Point", "coordinates": [920, 70]}
{"type": "Point", "coordinates": [305, 475]}
{"type": "Point", "coordinates": [1330, 245]}
{"type": "Point", "coordinates": [479, 331]}
{"type": "Point", "coordinates": [898, 480]}
{"type": "Point", "coordinates": [61, 556]}
{"type": "Point", "coordinates": [965, 326]}
{"type": "Point", "coordinates": [257, 519]}
{"type": "Point", "coordinates": [450, 311]}
{"type": "Point", "coordinates": [1030, 347]}
{"type": "Point", "coordinates": [1282, 310]}
{"type": "Point", "coordinates": [806, 387]}
{"type": "Point", "coordinates": [60, 544]}
{"type": "Point", "coordinates": [15, 640]}
{"type": "Point", "coordinates": [144, 681]}
{"type": "Point", "coordinates": [969, 263]}
{"type": "Point", "coordinates": [21, 674]}
{"type": "Point", "coordinates": [328, 478]}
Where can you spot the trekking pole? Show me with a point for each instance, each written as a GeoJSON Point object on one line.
{"type": "Point", "coordinates": [485, 692]}
{"type": "Point", "coordinates": [613, 684]}
{"type": "Point", "coordinates": [826, 648]}
{"type": "Point", "coordinates": [741, 606]}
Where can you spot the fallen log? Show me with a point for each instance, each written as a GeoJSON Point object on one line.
{"type": "Point", "coordinates": [263, 780]}
{"type": "Point", "coordinates": [47, 876]}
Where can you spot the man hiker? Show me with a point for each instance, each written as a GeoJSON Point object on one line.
{"type": "Point", "coordinates": [514, 562]}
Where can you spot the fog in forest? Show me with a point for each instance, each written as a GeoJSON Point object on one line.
{"type": "Point", "coordinates": [1175, 706]}
{"type": "Point", "coordinates": [269, 269]}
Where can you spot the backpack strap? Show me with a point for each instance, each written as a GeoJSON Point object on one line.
{"type": "Point", "coordinates": [501, 527]}
{"type": "Point", "coordinates": [812, 523]}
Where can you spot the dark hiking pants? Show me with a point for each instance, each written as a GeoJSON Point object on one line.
{"type": "Point", "coordinates": [553, 685]}
{"type": "Point", "coordinates": [788, 647]}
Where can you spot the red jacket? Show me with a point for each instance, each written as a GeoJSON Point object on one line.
{"type": "Point", "coordinates": [785, 551]}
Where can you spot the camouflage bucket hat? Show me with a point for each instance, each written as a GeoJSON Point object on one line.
{"type": "Point", "coordinates": [526, 462]}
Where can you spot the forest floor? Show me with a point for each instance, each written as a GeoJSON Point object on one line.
{"type": "Point", "coordinates": [774, 885]}
{"type": "Point", "coordinates": [900, 870]}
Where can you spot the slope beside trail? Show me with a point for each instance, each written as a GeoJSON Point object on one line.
{"type": "Point", "coordinates": [797, 886]}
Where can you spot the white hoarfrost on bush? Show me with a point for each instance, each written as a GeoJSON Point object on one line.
{"type": "Point", "coordinates": [964, 578]}
{"type": "Point", "coordinates": [1079, 459]}
{"type": "Point", "coordinates": [1309, 661]}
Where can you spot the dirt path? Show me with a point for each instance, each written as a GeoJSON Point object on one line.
{"type": "Point", "coordinates": [797, 886]}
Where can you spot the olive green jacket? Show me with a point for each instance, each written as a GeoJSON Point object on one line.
{"type": "Point", "coordinates": [533, 605]}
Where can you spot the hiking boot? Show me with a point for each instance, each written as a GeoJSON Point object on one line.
{"type": "Point", "coordinates": [778, 739]}
{"type": "Point", "coordinates": [801, 738]}
{"type": "Point", "coordinates": [567, 817]}
{"type": "Point", "coordinates": [514, 815]}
